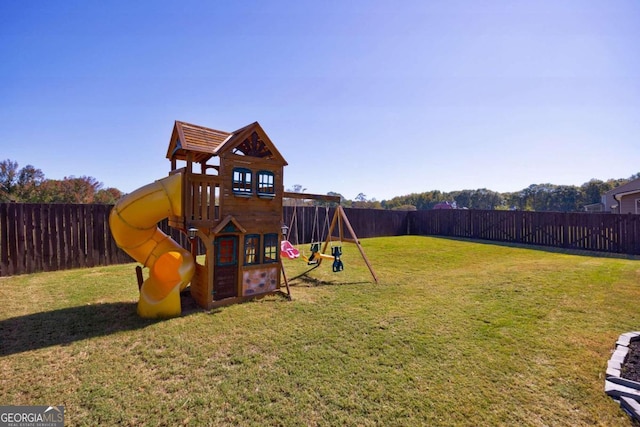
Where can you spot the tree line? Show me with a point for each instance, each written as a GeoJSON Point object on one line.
{"type": "Point", "coordinates": [29, 185]}
{"type": "Point", "coordinates": [536, 197]}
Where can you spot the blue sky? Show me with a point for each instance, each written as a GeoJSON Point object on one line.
{"type": "Point", "coordinates": [384, 98]}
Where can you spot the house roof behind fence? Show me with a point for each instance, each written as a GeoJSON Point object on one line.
{"type": "Point", "coordinates": [628, 188]}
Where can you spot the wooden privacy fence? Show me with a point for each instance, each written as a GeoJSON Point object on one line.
{"type": "Point", "coordinates": [601, 232]}
{"type": "Point", "coordinates": [312, 224]}
{"type": "Point", "coordinates": [48, 237]}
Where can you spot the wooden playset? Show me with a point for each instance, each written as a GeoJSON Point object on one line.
{"type": "Point", "coordinates": [235, 203]}
{"type": "Point", "coordinates": [225, 190]}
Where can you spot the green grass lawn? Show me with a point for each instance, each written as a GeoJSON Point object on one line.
{"type": "Point", "coordinates": [455, 333]}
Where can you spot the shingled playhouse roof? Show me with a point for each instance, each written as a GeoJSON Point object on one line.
{"type": "Point", "coordinates": [203, 143]}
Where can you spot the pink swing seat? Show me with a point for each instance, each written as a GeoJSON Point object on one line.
{"type": "Point", "coordinates": [287, 250]}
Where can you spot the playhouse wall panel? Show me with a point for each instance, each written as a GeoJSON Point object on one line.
{"type": "Point", "coordinates": [261, 280]}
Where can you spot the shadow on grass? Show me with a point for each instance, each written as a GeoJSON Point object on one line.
{"type": "Point", "coordinates": [68, 325]}
{"type": "Point", "coordinates": [306, 280]}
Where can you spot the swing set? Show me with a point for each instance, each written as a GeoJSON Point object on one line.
{"type": "Point", "coordinates": [318, 250]}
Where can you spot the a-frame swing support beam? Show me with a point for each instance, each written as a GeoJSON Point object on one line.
{"type": "Point", "coordinates": [339, 218]}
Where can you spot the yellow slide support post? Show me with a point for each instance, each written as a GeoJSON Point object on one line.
{"type": "Point", "coordinates": [133, 221]}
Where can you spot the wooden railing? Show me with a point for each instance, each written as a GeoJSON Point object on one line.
{"type": "Point", "coordinates": [202, 199]}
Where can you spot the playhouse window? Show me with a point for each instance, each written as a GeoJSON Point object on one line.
{"type": "Point", "coordinates": [252, 249]}
{"type": "Point", "coordinates": [270, 248]}
{"type": "Point", "coordinates": [266, 186]}
{"type": "Point", "coordinates": [241, 181]}
{"type": "Point", "coordinates": [226, 251]}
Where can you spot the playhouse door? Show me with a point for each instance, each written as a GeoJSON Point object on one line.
{"type": "Point", "coordinates": [226, 267]}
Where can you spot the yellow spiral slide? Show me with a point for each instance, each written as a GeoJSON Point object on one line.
{"type": "Point", "coordinates": [133, 223]}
